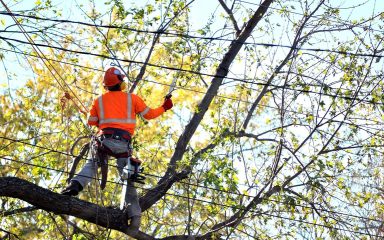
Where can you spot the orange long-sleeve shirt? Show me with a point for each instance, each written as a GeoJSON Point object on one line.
{"type": "Point", "coordinates": [117, 109]}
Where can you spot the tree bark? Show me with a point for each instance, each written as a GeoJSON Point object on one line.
{"type": "Point", "coordinates": [108, 217]}
{"type": "Point", "coordinates": [59, 204]}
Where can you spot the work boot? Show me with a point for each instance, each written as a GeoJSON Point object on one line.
{"type": "Point", "coordinates": [72, 189]}
{"type": "Point", "coordinates": [134, 225]}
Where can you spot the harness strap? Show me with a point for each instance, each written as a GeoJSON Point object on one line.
{"type": "Point", "coordinates": [76, 161]}
{"type": "Point", "coordinates": [101, 152]}
{"type": "Point", "coordinates": [115, 132]}
{"type": "Point", "coordinates": [102, 157]}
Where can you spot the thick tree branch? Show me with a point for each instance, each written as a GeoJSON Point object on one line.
{"type": "Point", "coordinates": [60, 204]}
{"type": "Point", "coordinates": [170, 177]}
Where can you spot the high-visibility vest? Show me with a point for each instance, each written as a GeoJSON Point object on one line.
{"type": "Point", "coordinates": [117, 109]}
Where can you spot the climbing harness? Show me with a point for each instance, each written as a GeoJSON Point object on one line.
{"type": "Point", "coordinates": [100, 153]}
{"type": "Point", "coordinates": [101, 158]}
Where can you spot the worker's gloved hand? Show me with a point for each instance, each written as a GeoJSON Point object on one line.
{"type": "Point", "coordinates": [168, 104]}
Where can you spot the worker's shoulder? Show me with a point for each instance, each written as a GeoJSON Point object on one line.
{"type": "Point", "coordinates": [114, 93]}
{"type": "Point", "coordinates": [134, 96]}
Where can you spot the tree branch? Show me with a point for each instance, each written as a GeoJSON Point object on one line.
{"type": "Point", "coordinates": [156, 38]}
{"type": "Point", "coordinates": [279, 67]}
{"type": "Point", "coordinates": [230, 14]}
{"type": "Point", "coordinates": [8, 234]}
{"type": "Point", "coordinates": [77, 229]}
{"type": "Point", "coordinates": [59, 204]}
{"type": "Point", "coordinates": [17, 211]}
{"type": "Point", "coordinates": [152, 196]}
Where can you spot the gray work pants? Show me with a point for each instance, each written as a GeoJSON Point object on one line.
{"type": "Point", "coordinates": [88, 172]}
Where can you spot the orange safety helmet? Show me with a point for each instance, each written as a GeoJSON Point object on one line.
{"type": "Point", "coordinates": [112, 77]}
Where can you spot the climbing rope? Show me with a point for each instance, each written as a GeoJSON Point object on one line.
{"type": "Point", "coordinates": [64, 114]}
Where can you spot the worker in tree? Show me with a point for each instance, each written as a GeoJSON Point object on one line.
{"type": "Point", "coordinates": [114, 113]}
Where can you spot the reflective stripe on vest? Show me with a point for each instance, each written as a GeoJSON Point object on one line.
{"type": "Point", "coordinates": [146, 110]}
{"type": "Point", "coordinates": [128, 119]}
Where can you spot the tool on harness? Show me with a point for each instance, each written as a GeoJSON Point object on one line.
{"type": "Point", "coordinates": [132, 171]}
{"type": "Point", "coordinates": [129, 174]}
